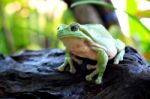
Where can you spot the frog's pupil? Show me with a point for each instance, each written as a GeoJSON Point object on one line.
{"type": "Point", "coordinates": [74, 28]}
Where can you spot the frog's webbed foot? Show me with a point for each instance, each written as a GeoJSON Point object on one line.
{"type": "Point", "coordinates": [90, 76]}
{"type": "Point", "coordinates": [98, 71]}
{"type": "Point", "coordinates": [121, 49]}
{"type": "Point", "coordinates": [72, 69]}
{"type": "Point", "coordinates": [94, 73]}
{"type": "Point", "coordinates": [98, 80]}
{"type": "Point", "coordinates": [119, 57]}
{"type": "Point", "coordinates": [61, 68]}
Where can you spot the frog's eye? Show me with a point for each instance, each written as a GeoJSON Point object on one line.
{"type": "Point", "coordinates": [74, 28]}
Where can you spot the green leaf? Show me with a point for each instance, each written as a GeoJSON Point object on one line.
{"type": "Point", "coordinates": [145, 13]}
{"type": "Point", "coordinates": [133, 4]}
{"type": "Point", "coordinates": [134, 18]}
{"type": "Point", "coordinates": [93, 2]}
{"type": "Point", "coordinates": [102, 3]}
{"type": "Point", "coordinates": [137, 28]}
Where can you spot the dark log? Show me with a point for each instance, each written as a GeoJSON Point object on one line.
{"type": "Point", "coordinates": [32, 75]}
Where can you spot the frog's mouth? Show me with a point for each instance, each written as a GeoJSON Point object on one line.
{"type": "Point", "coordinates": [76, 35]}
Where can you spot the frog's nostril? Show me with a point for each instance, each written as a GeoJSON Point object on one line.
{"type": "Point", "coordinates": [60, 28]}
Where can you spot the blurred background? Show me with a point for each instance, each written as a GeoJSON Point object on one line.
{"type": "Point", "coordinates": [32, 24]}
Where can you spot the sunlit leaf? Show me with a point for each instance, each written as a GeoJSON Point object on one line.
{"type": "Point", "coordinates": [136, 26]}
{"type": "Point", "coordinates": [145, 13]}
{"type": "Point", "coordinates": [102, 3]}
{"type": "Point", "coordinates": [134, 18]}
{"type": "Point", "coordinates": [131, 6]}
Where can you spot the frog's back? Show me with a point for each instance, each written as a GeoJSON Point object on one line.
{"type": "Point", "coordinates": [101, 36]}
{"type": "Point", "coordinates": [98, 33]}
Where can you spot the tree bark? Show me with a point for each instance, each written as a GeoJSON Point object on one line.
{"type": "Point", "coordinates": [32, 75]}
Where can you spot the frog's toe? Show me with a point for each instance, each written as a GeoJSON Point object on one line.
{"type": "Point", "coordinates": [60, 68]}
{"type": "Point", "coordinates": [121, 59]}
{"type": "Point", "coordinates": [118, 59]}
{"type": "Point", "coordinates": [88, 78]}
{"type": "Point", "coordinates": [89, 67]}
{"type": "Point", "coordinates": [98, 80]}
{"type": "Point", "coordinates": [72, 71]}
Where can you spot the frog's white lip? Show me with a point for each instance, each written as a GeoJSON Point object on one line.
{"type": "Point", "coordinates": [70, 35]}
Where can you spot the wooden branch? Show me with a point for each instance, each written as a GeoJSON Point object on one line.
{"type": "Point", "coordinates": [32, 74]}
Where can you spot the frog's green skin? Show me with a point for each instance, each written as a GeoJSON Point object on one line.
{"type": "Point", "coordinates": [91, 41]}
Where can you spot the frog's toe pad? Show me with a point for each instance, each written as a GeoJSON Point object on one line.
{"type": "Point", "coordinates": [72, 71]}
{"type": "Point", "coordinates": [88, 78]}
{"type": "Point", "coordinates": [90, 67]}
{"type": "Point", "coordinates": [98, 80]}
{"type": "Point", "coordinates": [118, 59]}
{"type": "Point", "coordinates": [60, 68]}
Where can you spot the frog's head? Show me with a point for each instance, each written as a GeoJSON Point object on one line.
{"type": "Point", "coordinates": [72, 30]}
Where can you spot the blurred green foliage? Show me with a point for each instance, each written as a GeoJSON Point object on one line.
{"type": "Point", "coordinates": [32, 24]}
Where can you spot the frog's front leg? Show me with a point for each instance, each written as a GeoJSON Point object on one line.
{"type": "Point", "coordinates": [66, 61]}
{"type": "Point", "coordinates": [102, 59]}
{"type": "Point", "coordinates": [121, 51]}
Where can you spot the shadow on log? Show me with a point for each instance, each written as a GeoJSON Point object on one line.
{"type": "Point", "coordinates": [32, 75]}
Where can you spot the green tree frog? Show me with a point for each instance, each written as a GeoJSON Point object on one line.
{"type": "Point", "coordinates": [90, 41]}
